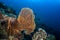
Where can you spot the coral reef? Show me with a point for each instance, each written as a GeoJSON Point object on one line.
{"type": "Point", "coordinates": [26, 20]}
{"type": "Point", "coordinates": [22, 27]}
{"type": "Point", "coordinates": [40, 35]}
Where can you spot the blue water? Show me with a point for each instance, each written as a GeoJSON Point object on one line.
{"type": "Point", "coordinates": [48, 11]}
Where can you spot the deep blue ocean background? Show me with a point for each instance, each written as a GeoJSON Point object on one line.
{"type": "Point", "coordinates": [47, 11]}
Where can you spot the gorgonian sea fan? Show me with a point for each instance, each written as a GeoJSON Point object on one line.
{"type": "Point", "coordinates": [26, 20]}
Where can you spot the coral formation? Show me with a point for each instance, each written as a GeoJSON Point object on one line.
{"type": "Point", "coordinates": [12, 26]}
{"type": "Point", "coordinates": [26, 20]}
{"type": "Point", "coordinates": [40, 35]}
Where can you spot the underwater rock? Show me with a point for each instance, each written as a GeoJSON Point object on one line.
{"type": "Point", "coordinates": [40, 35]}
{"type": "Point", "coordinates": [26, 20]}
